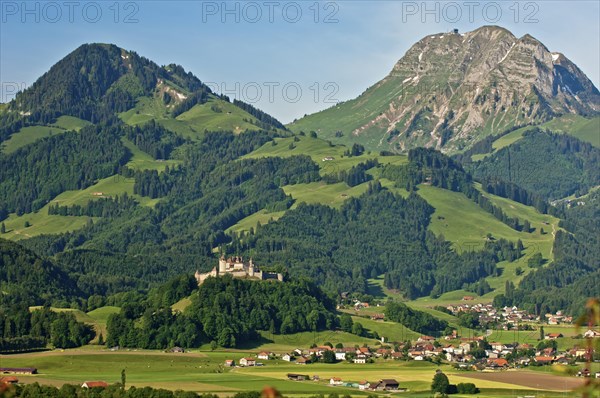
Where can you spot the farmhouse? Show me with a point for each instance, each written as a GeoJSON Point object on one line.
{"type": "Point", "coordinates": [425, 339]}
{"type": "Point", "coordinates": [553, 336]}
{"type": "Point", "coordinates": [94, 384]}
{"type": "Point", "coordinates": [302, 361]}
{"type": "Point", "coordinates": [360, 359]}
{"type": "Point", "coordinates": [297, 377]}
{"type": "Point", "coordinates": [591, 334]}
{"type": "Point", "coordinates": [544, 360]}
{"type": "Point", "coordinates": [363, 385]}
{"type": "Point", "coordinates": [247, 362]}
{"type": "Point", "coordinates": [497, 363]}
{"type": "Point", "coordinates": [19, 371]}
{"type": "Point", "coordinates": [264, 355]}
{"type": "Point", "coordinates": [336, 381]}
{"type": "Point", "coordinates": [229, 362]}
{"type": "Point", "coordinates": [286, 357]}
{"type": "Point", "coordinates": [238, 268]}
{"type": "Point", "coordinates": [386, 385]}
{"type": "Point", "coordinates": [9, 380]}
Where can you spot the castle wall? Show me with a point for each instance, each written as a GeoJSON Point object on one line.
{"type": "Point", "coordinates": [238, 269]}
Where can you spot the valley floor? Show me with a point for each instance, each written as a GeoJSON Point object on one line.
{"type": "Point", "coordinates": [203, 371]}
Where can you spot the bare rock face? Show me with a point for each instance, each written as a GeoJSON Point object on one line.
{"type": "Point", "coordinates": [450, 90]}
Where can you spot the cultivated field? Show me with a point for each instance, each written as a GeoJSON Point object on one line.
{"type": "Point", "coordinates": [203, 372]}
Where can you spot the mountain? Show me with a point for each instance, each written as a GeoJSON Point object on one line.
{"type": "Point", "coordinates": [97, 82]}
{"type": "Point", "coordinates": [127, 174]}
{"type": "Point", "coordinates": [450, 90]}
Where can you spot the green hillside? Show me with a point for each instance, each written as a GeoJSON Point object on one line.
{"type": "Point", "coordinates": [214, 115]}
{"type": "Point", "coordinates": [42, 223]}
{"type": "Point", "coordinates": [140, 160]}
{"type": "Point", "coordinates": [28, 135]}
{"type": "Point", "coordinates": [217, 115]}
{"type": "Point", "coordinates": [585, 129]}
{"type": "Point", "coordinates": [320, 151]}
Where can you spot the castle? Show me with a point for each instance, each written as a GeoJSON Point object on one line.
{"type": "Point", "coordinates": [236, 267]}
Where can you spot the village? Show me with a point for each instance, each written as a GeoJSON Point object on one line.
{"type": "Point", "coordinates": [468, 354]}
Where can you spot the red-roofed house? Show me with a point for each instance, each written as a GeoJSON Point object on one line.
{"type": "Point", "coordinates": [336, 381]}
{"type": "Point", "coordinates": [94, 384]}
{"type": "Point", "coordinates": [498, 363]}
{"type": "Point", "coordinates": [544, 360]}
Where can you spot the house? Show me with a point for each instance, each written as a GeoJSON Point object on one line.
{"type": "Point", "coordinates": [562, 360]}
{"type": "Point", "coordinates": [9, 380]}
{"type": "Point", "coordinates": [327, 158]}
{"type": "Point", "coordinates": [298, 351]}
{"type": "Point", "coordinates": [525, 361]}
{"type": "Point", "coordinates": [378, 317]}
{"type": "Point", "coordinates": [468, 298]}
{"type": "Point", "coordinates": [498, 363]}
{"type": "Point", "coordinates": [397, 355]}
{"type": "Point", "coordinates": [302, 361]}
{"type": "Point", "coordinates": [361, 358]}
{"type": "Point", "coordinates": [425, 339]}
{"type": "Point", "coordinates": [19, 371]}
{"type": "Point", "coordinates": [580, 352]}
{"type": "Point", "coordinates": [544, 360]}
{"type": "Point", "coordinates": [340, 355]}
{"type": "Point", "coordinates": [553, 336]}
{"type": "Point", "coordinates": [497, 346]}
{"type": "Point", "coordinates": [177, 350]}
{"type": "Point", "coordinates": [297, 377]}
{"type": "Point", "coordinates": [492, 354]}
{"type": "Point", "coordinates": [383, 352]}
{"type": "Point", "coordinates": [386, 385]}
{"type": "Point", "coordinates": [336, 381]}
{"type": "Point", "coordinates": [264, 355]}
{"type": "Point", "coordinates": [286, 357]}
{"type": "Point", "coordinates": [364, 351]}
{"type": "Point", "coordinates": [229, 362]}
{"type": "Point", "coordinates": [94, 384]}
{"type": "Point", "coordinates": [591, 334]}
{"type": "Point", "coordinates": [247, 362]}
{"type": "Point", "coordinates": [363, 385]}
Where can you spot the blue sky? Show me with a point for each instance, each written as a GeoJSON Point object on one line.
{"type": "Point", "coordinates": [289, 58]}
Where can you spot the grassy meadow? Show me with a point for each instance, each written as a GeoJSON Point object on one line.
{"type": "Point", "coordinates": [203, 371]}
{"type": "Point", "coordinates": [30, 134]}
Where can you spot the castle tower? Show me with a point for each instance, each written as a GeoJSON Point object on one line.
{"type": "Point", "coordinates": [222, 265]}
{"type": "Point", "coordinates": [251, 268]}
